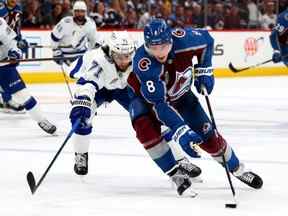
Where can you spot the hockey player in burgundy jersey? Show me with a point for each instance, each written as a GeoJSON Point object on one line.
{"type": "Point", "coordinates": [161, 94]}
{"type": "Point", "coordinates": [279, 39]}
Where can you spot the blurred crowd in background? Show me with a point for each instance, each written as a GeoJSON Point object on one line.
{"type": "Point", "coordinates": [134, 14]}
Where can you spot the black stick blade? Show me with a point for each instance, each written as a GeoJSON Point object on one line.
{"type": "Point", "coordinates": [235, 70]}
{"type": "Point", "coordinates": [230, 205]}
{"type": "Point", "coordinates": [31, 181]}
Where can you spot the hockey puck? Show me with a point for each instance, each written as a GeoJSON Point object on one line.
{"type": "Point", "coordinates": [230, 205]}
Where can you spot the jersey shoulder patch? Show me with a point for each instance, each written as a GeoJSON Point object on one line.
{"type": "Point", "coordinates": [144, 64]}
{"type": "Point", "coordinates": [179, 32]}
{"type": "Point", "coordinates": [67, 19]}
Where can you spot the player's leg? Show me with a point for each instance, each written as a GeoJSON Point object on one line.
{"type": "Point", "coordinates": [8, 105]}
{"type": "Point", "coordinates": [148, 132]}
{"type": "Point", "coordinates": [81, 142]}
{"type": "Point", "coordinates": [13, 84]}
{"type": "Point", "coordinates": [213, 143]}
{"type": "Point", "coordinates": [121, 96]}
{"type": "Point", "coordinates": [190, 168]}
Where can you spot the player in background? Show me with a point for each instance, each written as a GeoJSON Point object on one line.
{"type": "Point", "coordinates": [12, 13]}
{"type": "Point", "coordinates": [279, 39]}
{"type": "Point", "coordinates": [74, 35]}
{"type": "Point", "coordinates": [102, 77]}
{"type": "Point", "coordinates": [161, 82]}
{"type": "Point", "coordinates": [12, 83]}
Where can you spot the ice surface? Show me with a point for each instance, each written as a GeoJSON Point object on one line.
{"type": "Point", "coordinates": [251, 113]}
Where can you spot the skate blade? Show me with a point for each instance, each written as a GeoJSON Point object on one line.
{"type": "Point", "coordinates": [82, 178]}
{"type": "Point", "coordinates": [197, 179]}
{"type": "Point", "coordinates": [8, 111]}
{"type": "Point", "coordinates": [189, 193]}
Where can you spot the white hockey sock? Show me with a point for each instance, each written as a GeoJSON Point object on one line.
{"type": "Point", "coordinates": [176, 150]}
{"type": "Point", "coordinates": [36, 113]}
{"type": "Point", "coordinates": [81, 143]}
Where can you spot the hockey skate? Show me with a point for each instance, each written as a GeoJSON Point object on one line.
{"type": "Point", "coordinates": [192, 170]}
{"type": "Point", "coordinates": [81, 163]}
{"type": "Point", "coordinates": [182, 182]}
{"type": "Point", "coordinates": [248, 177]}
{"type": "Point", "coordinates": [12, 108]}
{"type": "Point", "coordinates": [47, 126]}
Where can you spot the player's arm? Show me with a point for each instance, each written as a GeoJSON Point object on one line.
{"type": "Point", "coordinates": [21, 42]}
{"type": "Point", "coordinates": [90, 81]}
{"type": "Point", "coordinates": [94, 38]}
{"type": "Point", "coordinates": [280, 30]}
{"type": "Point", "coordinates": [8, 40]}
{"type": "Point", "coordinates": [56, 37]}
{"type": "Point", "coordinates": [154, 91]}
{"type": "Point", "coordinates": [203, 70]}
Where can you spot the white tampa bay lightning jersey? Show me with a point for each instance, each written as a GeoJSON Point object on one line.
{"type": "Point", "coordinates": [7, 40]}
{"type": "Point", "coordinates": [96, 71]}
{"type": "Point", "coordinates": [74, 39]}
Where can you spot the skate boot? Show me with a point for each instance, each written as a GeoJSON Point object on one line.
{"type": "Point", "coordinates": [189, 168]}
{"type": "Point", "coordinates": [47, 126]}
{"type": "Point", "coordinates": [248, 177]}
{"type": "Point", "coordinates": [12, 108]}
{"type": "Point", "coordinates": [81, 163]}
{"type": "Point", "coordinates": [182, 182]}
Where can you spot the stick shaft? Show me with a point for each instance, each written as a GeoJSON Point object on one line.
{"type": "Point", "coordinates": [75, 126]}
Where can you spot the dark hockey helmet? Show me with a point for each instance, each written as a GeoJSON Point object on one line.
{"type": "Point", "coordinates": [157, 32]}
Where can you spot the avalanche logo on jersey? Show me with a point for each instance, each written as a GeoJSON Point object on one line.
{"type": "Point", "coordinates": [144, 64]}
{"type": "Point", "coordinates": [181, 85]}
{"type": "Point", "coordinates": [178, 32]}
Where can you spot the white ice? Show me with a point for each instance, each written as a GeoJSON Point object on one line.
{"type": "Point", "coordinates": [251, 113]}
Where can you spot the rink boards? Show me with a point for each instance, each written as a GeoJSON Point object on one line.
{"type": "Point", "coordinates": [241, 48]}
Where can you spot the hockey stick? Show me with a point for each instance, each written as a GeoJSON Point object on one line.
{"type": "Point", "coordinates": [227, 205]}
{"type": "Point", "coordinates": [35, 59]}
{"type": "Point", "coordinates": [67, 83]}
{"type": "Point", "coordinates": [30, 177]}
{"type": "Point", "coordinates": [47, 46]}
{"type": "Point", "coordinates": [237, 70]}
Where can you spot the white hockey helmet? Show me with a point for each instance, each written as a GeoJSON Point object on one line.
{"type": "Point", "coordinates": [80, 5]}
{"type": "Point", "coordinates": [120, 42]}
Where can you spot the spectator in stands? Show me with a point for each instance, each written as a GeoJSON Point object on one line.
{"type": "Point", "coordinates": [268, 19]}
{"type": "Point", "coordinates": [114, 15]}
{"type": "Point", "coordinates": [53, 18]}
{"type": "Point", "coordinates": [197, 16]}
{"type": "Point", "coordinates": [179, 16]}
{"type": "Point", "coordinates": [283, 5]}
{"type": "Point", "coordinates": [217, 21]}
{"type": "Point", "coordinates": [131, 17]}
{"type": "Point", "coordinates": [32, 17]}
{"type": "Point", "coordinates": [232, 17]}
{"type": "Point", "coordinates": [152, 13]}
{"type": "Point", "coordinates": [188, 13]}
{"type": "Point", "coordinates": [254, 14]}
{"type": "Point", "coordinates": [98, 14]}
{"type": "Point", "coordinates": [66, 8]}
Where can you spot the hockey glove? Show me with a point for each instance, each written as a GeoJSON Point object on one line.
{"type": "Point", "coordinates": [276, 57]}
{"type": "Point", "coordinates": [186, 138]}
{"type": "Point", "coordinates": [81, 109]}
{"type": "Point", "coordinates": [204, 77]}
{"type": "Point", "coordinates": [14, 54]}
{"type": "Point", "coordinates": [190, 151]}
{"type": "Point", "coordinates": [57, 53]}
{"type": "Point", "coordinates": [23, 45]}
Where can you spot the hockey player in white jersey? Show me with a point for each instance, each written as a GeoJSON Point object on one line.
{"type": "Point", "coordinates": [12, 83]}
{"type": "Point", "coordinates": [74, 35]}
{"type": "Point", "coordinates": [102, 77]}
